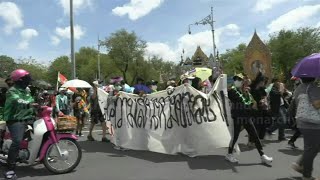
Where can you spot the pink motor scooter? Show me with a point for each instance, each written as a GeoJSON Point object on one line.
{"type": "Point", "coordinates": [58, 151]}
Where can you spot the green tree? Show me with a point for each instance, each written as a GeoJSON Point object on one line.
{"type": "Point", "coordinates": [167, 69]}
{"type": "Point", "coordinates": [232, 59]}
{"type": "Point", "coordinates": [86, 64]}
{"type": "Point", "coordinates": [108, 68]}
{"type": "Point", "coordinates": [62, 65]}
{"type": "Point", "coordinates": [38, 71]}
{"type": "Point", "coordinates": [7, 65]}
{"type": "Point", "coordinates": [126, 51]}
{"type": "Point", "coordinates": [288, 46]}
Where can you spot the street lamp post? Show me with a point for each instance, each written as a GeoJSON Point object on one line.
{"type": "Point", "coordinates": [208, 20]}
{"type": "Point", "coordinates": [73, 60]}
{"type": "Point", "coordinates": [99, 67]}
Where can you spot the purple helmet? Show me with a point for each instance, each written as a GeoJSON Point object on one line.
{"type": "Point", "coordinates": [18, 74]}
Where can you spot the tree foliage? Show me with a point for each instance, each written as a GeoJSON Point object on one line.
{"type": "Point", "coordinates": [126, 57]}
{"type": "Point", "coordinates": [37, 71]}
{"type": "Point", "coordinates": [233, 59]}
{"type": "Point", "coordinates": [86, 64]}
{"type": "Point", "coordinates": [126, 51]}
{"type": "Point", "coordinates": [287, 47]}
{"type": "Point", "coordinates": [7, 65]}
{"type": "Point", "coordinates": [62, 65]}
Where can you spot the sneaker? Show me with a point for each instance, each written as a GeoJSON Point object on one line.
{"type": "Point", "coordinates": [80, 135]}
{"type": "Point", "coordinates": [104, 139]}
{"type": "Point", "coordinates": [297, 168]}
{"type": "Point", "coordinates": [231, 158]}
{"type": "Point", "coordinates": [117, 148]}
{"type": "Point", "coordinates": [90, 138]}
{"type": "Point", "coordinates": [10, 175]}
{"type": "Point", "coordinates": [120, 148]}
{"type": "Point", "coordinates": [266, 160]}
{"type": "Point", "coordinates": [292, 145]}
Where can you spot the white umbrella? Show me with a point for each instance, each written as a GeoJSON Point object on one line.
{"type": "Point", "coordinates": [77, 83]}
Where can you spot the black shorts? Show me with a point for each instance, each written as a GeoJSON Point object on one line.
{"type": "Point", "coordinates": [97, 117]}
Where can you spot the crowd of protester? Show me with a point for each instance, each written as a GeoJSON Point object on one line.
{"type": "Point", "coordinates": [260, 106]}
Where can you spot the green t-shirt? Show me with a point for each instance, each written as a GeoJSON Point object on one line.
{"type": "Point", "coordinates": [17, 106]}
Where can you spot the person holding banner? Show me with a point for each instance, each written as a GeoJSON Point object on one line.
{"type": "Point", "coordinates": [242, 108]}
{"type": "Point", "coordinates": [152, 85]}
{"type": "Point", "coordinates": [140, 88]}
{"type": "Point", "coordinates": [96, 115]}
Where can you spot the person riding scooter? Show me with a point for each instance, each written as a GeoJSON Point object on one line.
{"type": "Point", "coordinates": [18, 110]}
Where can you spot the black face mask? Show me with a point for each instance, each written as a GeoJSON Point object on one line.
{"type": "Point", "coordinates": [24, 82]}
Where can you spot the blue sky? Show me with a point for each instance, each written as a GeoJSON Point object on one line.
{"type": "Point", "coordinates": [39, 28]}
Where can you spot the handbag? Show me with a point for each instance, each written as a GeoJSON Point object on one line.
{"type": "Point", "coordinates": [306, 112]}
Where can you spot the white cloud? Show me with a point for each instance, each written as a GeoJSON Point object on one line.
{"type": "Point", "coordinates": [26, 36]}
{"type": "Point", "coordinates": [55, 40]}
{"type": "Point", "coordinates": [137, 8]}
{"type": "Point", "coordinates": [204, 39]}
{"type": "Point", "coordinates": [161, 50]}
{"type": "Point", "coordinates": [11, 15]}
{"type": "Point", "coordinates": [264, 5]}
{"type": "Point", "coordinates": [77, 5]}
{"type": "Point", "coordinates": [65, 32]}
{"type": "Point", "coordinates": [189, 43]}
{"type": "Point", "coordinates": [301, 16]}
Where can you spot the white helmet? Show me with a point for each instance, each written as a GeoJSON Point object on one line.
{"type": "Point", "coordinates": [62, 89]}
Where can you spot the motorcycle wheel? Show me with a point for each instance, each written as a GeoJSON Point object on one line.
{"type": "Point", "coordinates": [71, 159]}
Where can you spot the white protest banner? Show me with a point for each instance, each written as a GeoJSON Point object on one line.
{"type": "Point", "coordinates": [182, 120]}
{"type": "Point", "coordinates": [102, 99]}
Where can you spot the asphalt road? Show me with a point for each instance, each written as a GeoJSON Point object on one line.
{"type": "Point", "coordinates": [101, 162]}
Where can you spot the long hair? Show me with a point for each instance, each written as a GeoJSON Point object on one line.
{"type": "Point", "coordinates": [259, 78]}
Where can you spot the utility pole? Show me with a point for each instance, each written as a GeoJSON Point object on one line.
{"type": "Point", "coordinates": [99, 67]}
{"type": "Point", "coordinates": [213, 38]}
{"type": "Point", "coordinates": [73, 60]}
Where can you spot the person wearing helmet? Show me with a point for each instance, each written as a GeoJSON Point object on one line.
{"type": "Point", "coordinates": [17, 111]}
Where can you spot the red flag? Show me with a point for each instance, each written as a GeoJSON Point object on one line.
{"type": "Point", "coordinates": [61, 78]}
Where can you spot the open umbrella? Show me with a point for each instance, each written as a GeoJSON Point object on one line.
{"type": "Point", "coordinates": [77, 83]}
{"type": "Point", "coordinates": [202, 73]}
{"type": "Point", "coordinates": [308, 67]}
